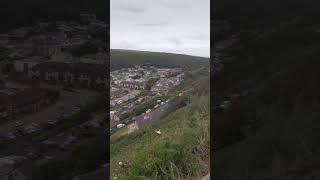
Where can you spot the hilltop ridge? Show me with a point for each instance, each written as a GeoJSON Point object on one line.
{"type": "Point", "coordinates": [125, 58]}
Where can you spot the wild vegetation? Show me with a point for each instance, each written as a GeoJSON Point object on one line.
{"type": "Point", "coordinates": [272, 134]}
{"type": "Point", "coordinates": [182, 149]}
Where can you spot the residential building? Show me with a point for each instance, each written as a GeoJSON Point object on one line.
{"type": "Point", "coordinates": [77, 74]}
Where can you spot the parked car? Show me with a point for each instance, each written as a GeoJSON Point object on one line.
{"type": "Point", "coordinates": [30, 129]}
{"type": "Point", "coordinates": [225, 104]}
{"type": "Point", "coordinates": [18, 123]}
{"type": "Point", "coordinates": [9, 136]}
{"type": "Point", "coordinates": [33, 155]}
{"type": "Point", "coordinates": [120, 126]}
{"type": "Point", "coordinates": [68, 89]}
{"type": "Point", "coordinates": [217, 109]}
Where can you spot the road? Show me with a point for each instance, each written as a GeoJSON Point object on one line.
{"type": "Point", "coordinates": [140, 121]}
{"type": "Point", "coordinates": [57, 154]}
{"type": "Point", "coordinates": [155, 114]}
{"type": "Point", "coordinates": [68, 100]}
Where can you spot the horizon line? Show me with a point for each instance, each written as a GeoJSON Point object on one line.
{"type": "Point", "coordinates": [139, 50]}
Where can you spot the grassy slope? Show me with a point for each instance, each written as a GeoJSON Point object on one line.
{"type": "Point", "coordinates": [181, 150]}
{"type": "Point", "coordinates": [278, 128]}
{"type": "Point", "coordinates": [127, 58]}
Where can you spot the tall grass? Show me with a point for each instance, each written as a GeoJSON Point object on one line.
{"type": "Point", "coordinates": [180, 152]}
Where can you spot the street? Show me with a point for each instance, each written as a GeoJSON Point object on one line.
{"type": "Point", "coordinates": [68, 100]}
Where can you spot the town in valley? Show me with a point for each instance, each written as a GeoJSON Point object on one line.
{"type": "Point", "coordinates": [139, 94]}
{"type": "Point", "coordinates": [53, 78]}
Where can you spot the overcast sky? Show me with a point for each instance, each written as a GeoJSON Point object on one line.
{"type": "Point", "coordinates": [176, 26]}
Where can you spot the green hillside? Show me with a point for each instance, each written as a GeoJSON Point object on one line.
{"type": "Point", "coordinates": [274, 133]}
{"type": "Point", "coordinates": [128, 58]}
{"type": "Point", "coordinates": [261, 13]}
{"type": "Point", "coordinates": [182, 149]}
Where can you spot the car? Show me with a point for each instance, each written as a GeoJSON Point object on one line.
{"type": "Point", "coordinates": [73, 112]}
{"type": "Point", "coordinates": [62, 147]}
{"type": "Point", "coordinates": [131, 106]}
{"type": "Point", "coordinates": [9, 136]}
{"type": "Point", "coordinates": [68, 89]}
{"type": "Point", "coordinates": [33, 155]}
{"type": "Point", "coordinates": [30, 129]}
{"type": "Point", "coordinates": [75, 108]}
{"type": "Point", "coordinates": [48, 157]}
{"type": "Point", "coordinates": [217, 109]}
{"type": "Point", "coordinates": [65, 115]}
{"type": "Point", "coordinates": [18, 123]}
{"type": "Point", "coordinates": [225, 104]}
{"type": "Point", "coordinates": [52, 122]}
{"type": "Point", "coordinates": [19, 132]}
{"type": "Point", "coordinates": [120, 126]}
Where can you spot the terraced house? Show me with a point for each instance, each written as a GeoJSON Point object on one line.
{"type": "Point", "coordinates": [75, 74]}
{"type": "Point", "coordinates": [29, 100]}
{"type": "Point", "coordinates": [133, 85]}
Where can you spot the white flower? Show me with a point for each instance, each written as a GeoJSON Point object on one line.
{"type": "Point", "coordinates": [120, 163]}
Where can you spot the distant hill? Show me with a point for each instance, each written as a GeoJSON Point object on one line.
{"type": "Point", "coordinates": [127, 58]}
{"type": "Point", "coordinates": [15, 13]}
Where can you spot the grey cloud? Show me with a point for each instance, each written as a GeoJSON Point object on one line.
{"type": "Point", "coordinates": [200, 36]}
{"type": "Point", "coordinates": [153, 24]}
{"type": "Point", "coordinates": [175, 40]}
{"type": "Point", "coordinates": [177, 26]}
{"type": "Point", "coordinates": [132, 9]}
